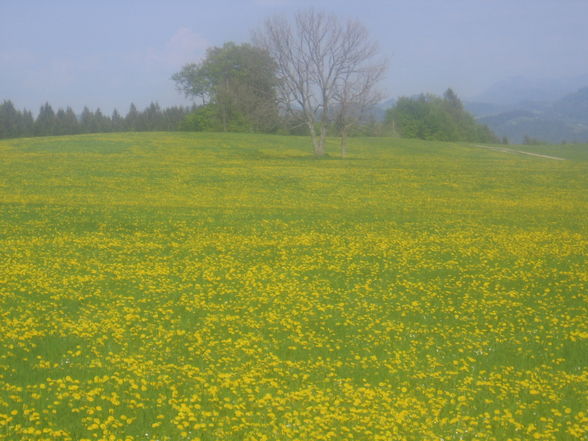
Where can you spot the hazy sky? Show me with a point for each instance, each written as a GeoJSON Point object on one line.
{"type": "Point", "coordinates": [109, 53]}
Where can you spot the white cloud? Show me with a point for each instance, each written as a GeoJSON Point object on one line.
{"type": "Point", "coordinates": [183, 47]}
{"type": "Point", "coordinates": [271, 2]}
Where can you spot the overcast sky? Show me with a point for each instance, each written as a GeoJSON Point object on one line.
{"type": "Point", "coordinates": [109, 53]}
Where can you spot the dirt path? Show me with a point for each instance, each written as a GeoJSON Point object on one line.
{"type": "Point", "coordinates": [505, 150]}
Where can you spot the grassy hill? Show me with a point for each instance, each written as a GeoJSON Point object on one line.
{"type": "Point", "coordinates": [163, 286]}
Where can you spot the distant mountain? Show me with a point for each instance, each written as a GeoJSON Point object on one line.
{"type": "Point", "coordinates": [515, 90]}
{"type": "Point", "coordinates": [573, 107]}
{"type": "Point", "coordinates": [378, 112]}
{"type": "Point", "coordinates": [564, 120]}
{"type": "Point", "coordinates": [480, 109]}
{"type": "Point", "coordinates": [516, 126]}
{"type": "Point", "coordinates": [389, 103]}
{"type": "Point", "coordinates": [553, 110]}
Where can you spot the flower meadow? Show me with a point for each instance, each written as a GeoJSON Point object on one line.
{"type": "Point", "coordinates": [206, 287]}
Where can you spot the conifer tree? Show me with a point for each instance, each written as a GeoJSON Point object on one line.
{"type": "Point", "coordinates": [117, 122]}
{"type": "Point", "coordinates": [132, 118]}
{"type": "Point", "coordinates": [9, 120]}
{"type": "Point", "coordinates": [45, 122]}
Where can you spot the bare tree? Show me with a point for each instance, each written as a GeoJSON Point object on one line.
{"type": "Point", "coordinates": [322, 66]}
{"type": "Point", "coordinates": [356, 96]}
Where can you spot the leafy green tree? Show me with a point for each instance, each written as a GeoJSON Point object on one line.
{"type": "Point", "coordinates": [237, 83]}
{"type": "Point", "coordinates": [432, 117]}
{"type": "Point", "coordinates": [202, 118]}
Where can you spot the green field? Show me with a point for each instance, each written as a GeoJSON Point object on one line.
{"type": "Point", "coordinates": [231, 287]}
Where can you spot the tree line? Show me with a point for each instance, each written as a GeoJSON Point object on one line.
{"type": "Point", "coordinates": [21, 123]}
{"type": "Point", "coordinates": [309, 74]}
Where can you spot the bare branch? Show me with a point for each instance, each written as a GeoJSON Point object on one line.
{"type": "Point", "coordinates": [325, 68]}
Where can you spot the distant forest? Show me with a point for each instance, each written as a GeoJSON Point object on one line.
{"type": "Point", "coordinates": [425, 117]}
{"type": "Point", "coordinates": [15, 123]}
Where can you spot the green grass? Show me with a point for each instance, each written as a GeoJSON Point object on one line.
{"type": "Point", "coordinates": [184, 286]}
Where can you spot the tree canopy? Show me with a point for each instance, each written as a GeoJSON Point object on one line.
{"type": "Point", "coordinates": [236, 85]}
{"type": "Point", "coordinates": [431, 117]}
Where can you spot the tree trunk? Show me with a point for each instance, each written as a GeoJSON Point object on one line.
{"type": "Point", "coordinates": [224, 118]}
{"type": "Point", "coordinates": [314, 138]}
{"type": "Point", "coordinates": [344, 142]}
{"type": "Point", "coordinates": [318, 139]}
{"type": "Point", "coordinates": [319, 151]}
